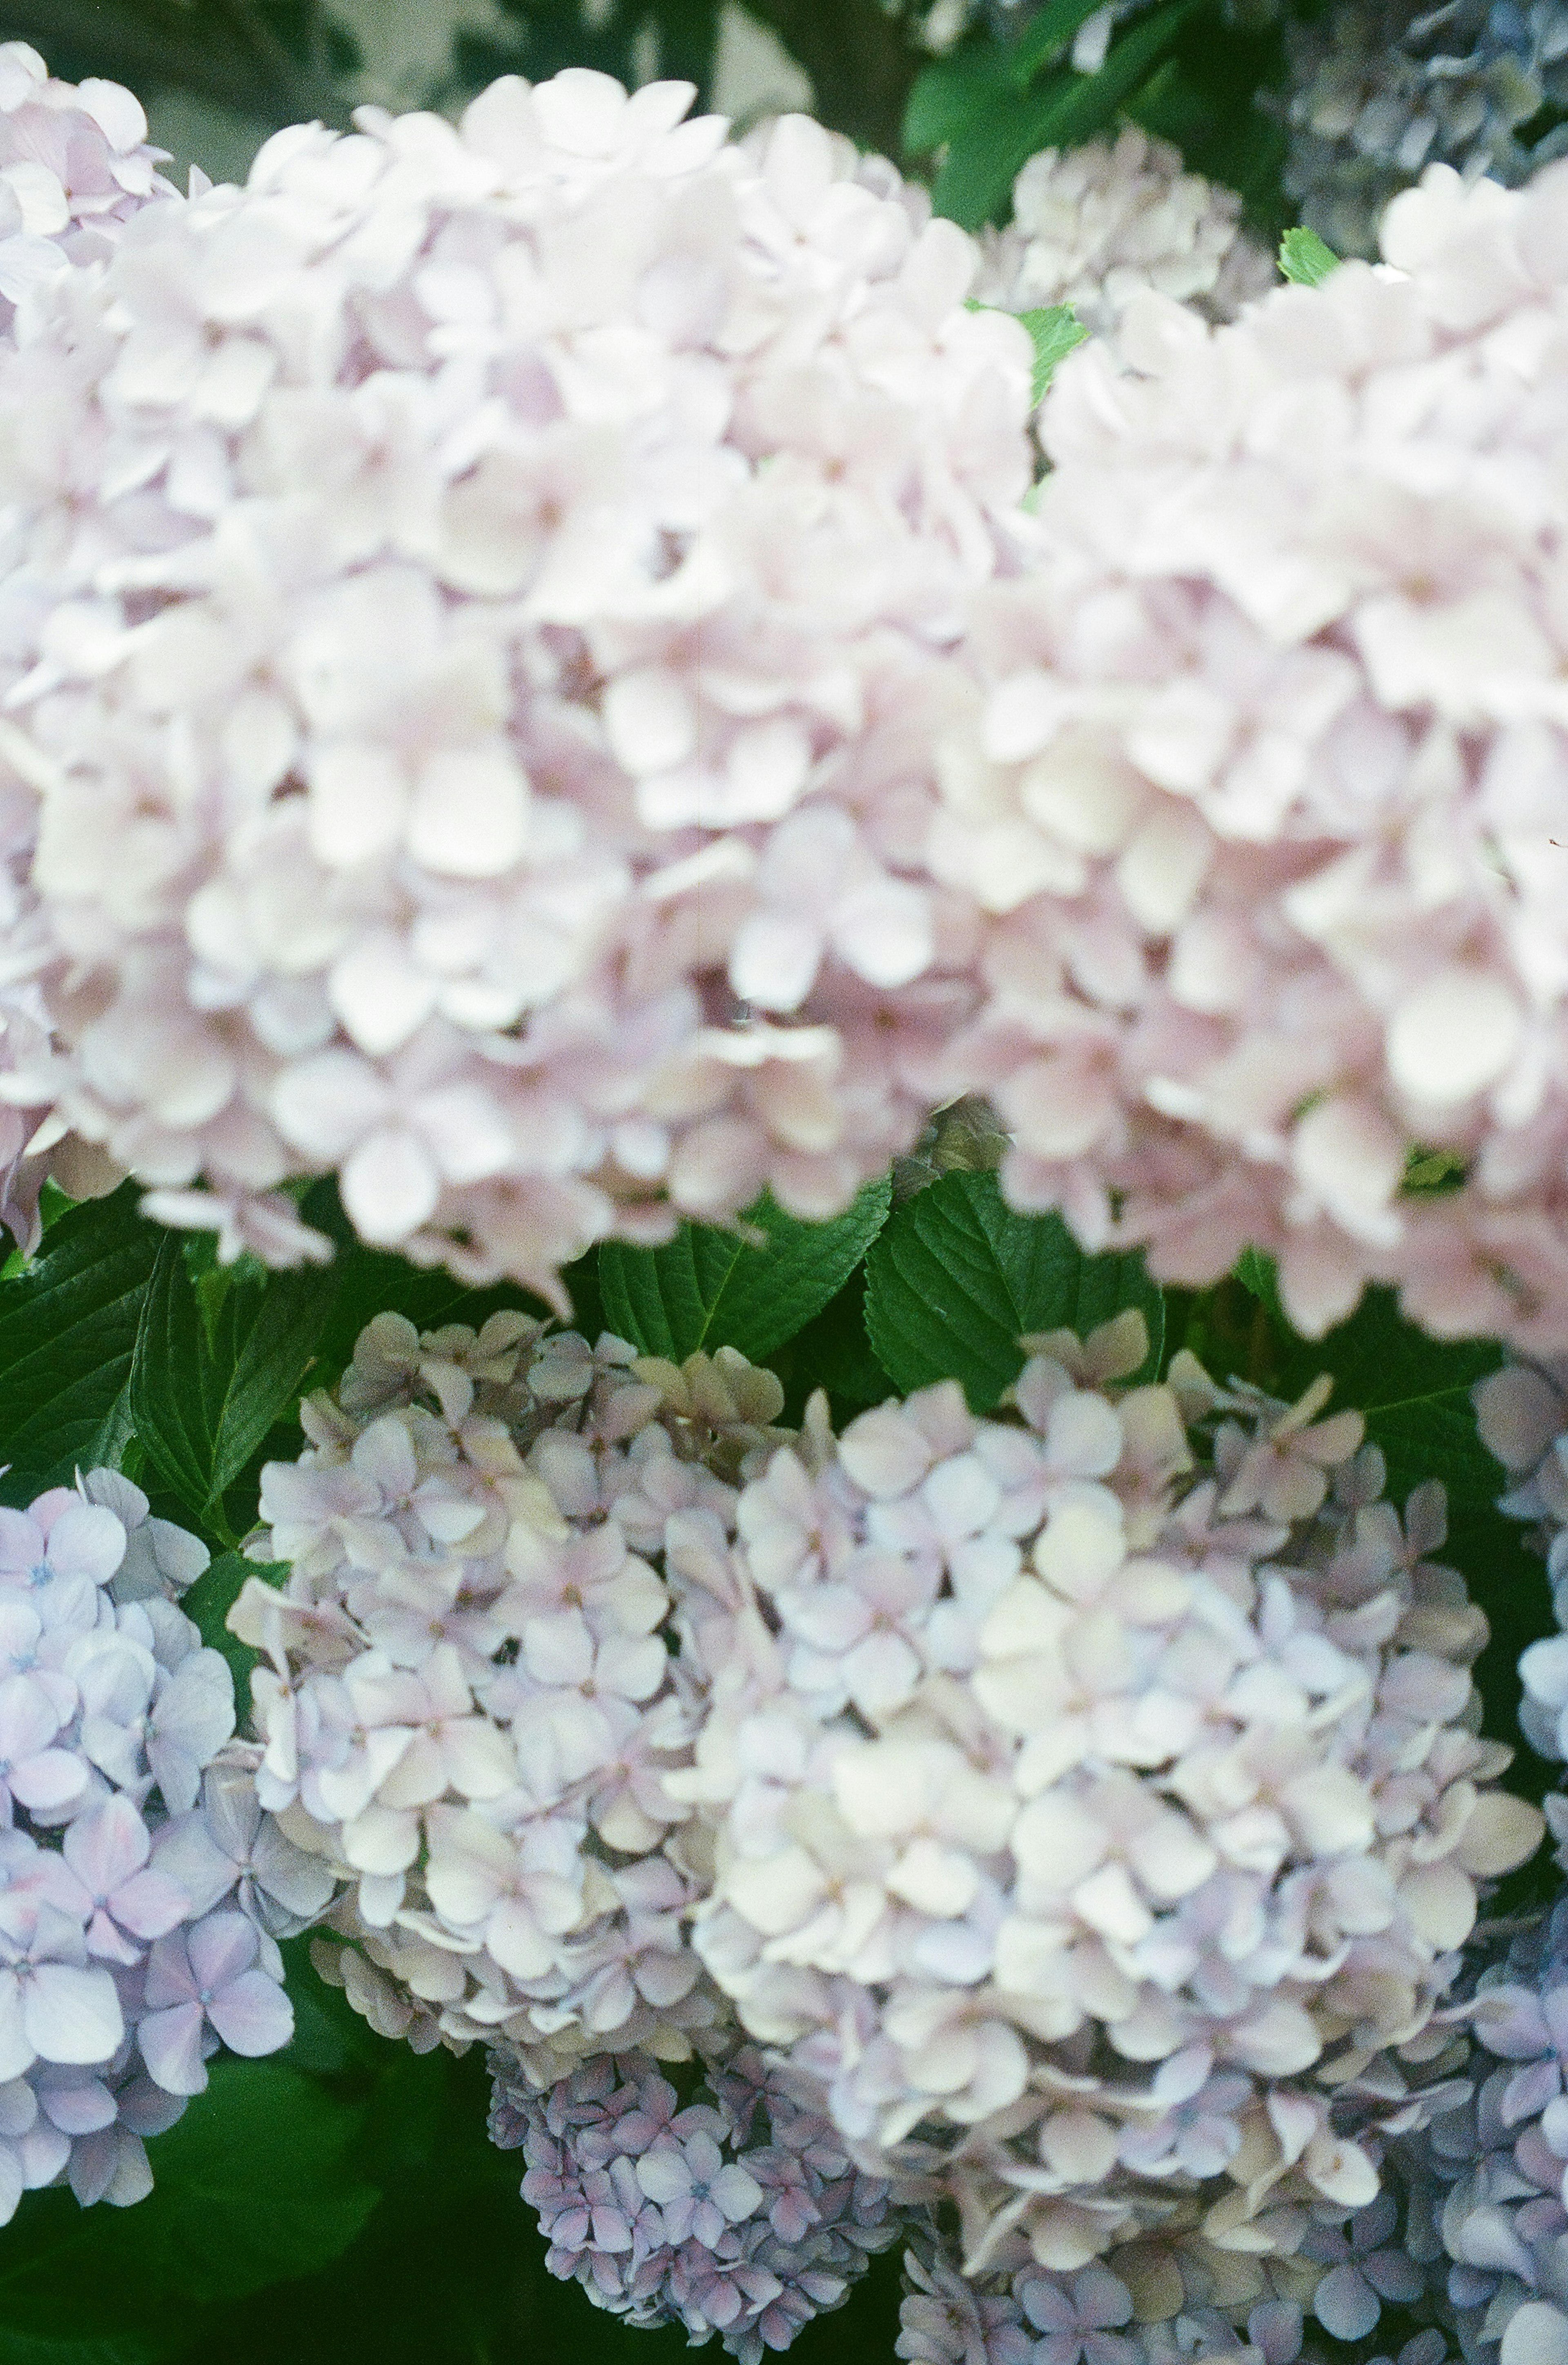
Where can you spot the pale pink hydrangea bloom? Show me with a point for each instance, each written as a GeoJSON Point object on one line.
{"type": "Point", "coordinates": [1091, 226]}
{"type": "Point", "coordinates": [486, 598]}
{"type": "Point", "coordinates": [1263, 788]}
{"type": "Point", "coordinates": [1077, 1781]}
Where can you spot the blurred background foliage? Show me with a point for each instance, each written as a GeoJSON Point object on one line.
{"type": "Point", "coordinates": [965, 89]}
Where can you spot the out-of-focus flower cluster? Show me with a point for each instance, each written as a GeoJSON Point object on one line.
{"type": "Point", "coordinates": [1083, 1805]}
{"type": "Point", "coordinates": [1264, 789]}
{"type": "Point", "coordinates": [483, 605]}
{"type": "Point", "coordinates": [1099, 1809]}
{"type": "Point", "coordinates": [1092, 226]}
{"type": "Point", "coordinates": [138, 1897]}
{"type": "Point", "coordinates": [738, 2212]}
{"type": "Point", "coordinates": [1375, 93]}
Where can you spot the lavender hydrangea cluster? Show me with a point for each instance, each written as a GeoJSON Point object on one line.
{"type": "Point", "coordinates": [1091, 226]}
{"type": "Point", "coordinates": [1263, 788]}
{"type": "Point", "coordinates": [134, 1938]}
{"type": "Point", "coordinates": [493, 591]}
{"type": "Point", "coordinates": [1084, 1807]}
{"type": "Point", "coordinates": [736, 2212]}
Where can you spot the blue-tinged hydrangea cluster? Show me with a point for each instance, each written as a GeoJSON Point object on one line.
{"type": "Point", "coordinates": [1377, 93]}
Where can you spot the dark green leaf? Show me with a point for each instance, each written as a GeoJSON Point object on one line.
{"type": "Point", "coordinates": [256, 2183]}
{"type": "Point", "coordinates": [956, 1278]}
{"type": "Point", "coordinates": [202, 1407]}
{"type": "Point", "coordinates": [1055, 332]}
{"type": "Point", "coordinates": [834, 1353]}
{"type": "Point", "coordinates": [950, 91]}
{"type": "Point", "coordinates": [1306, 259]}
{"type": "Point", "coordinates": [68, 1326]}
{"type": "Point", "coordinates": [709, 1288]}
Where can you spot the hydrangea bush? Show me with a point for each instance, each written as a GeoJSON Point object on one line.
{"type": "Point", "coordinates": [803, 1479]}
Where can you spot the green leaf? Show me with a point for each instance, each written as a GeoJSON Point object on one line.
{"type": "Point", "coordinates": [949, 90]}
{"type": "Point", "coordinates": [256, 2184]}
{"type": "Point", "coordinates": [1047, 34]}
{"type": "Point", "coordinates": [68, 1326]}
{"type": "Point", "coordinates": [1306, 259]}
{"type": "Point", "coordinates": [202, 1406]}
{"type": "Point", "coordinates": [956, 1278]}
{"type": "Point", "coordinates": [709, 1288]}
{"type": "Point", "coordinates": [990, 147]}
{"type": "Point", "coordinates": [1055, 331]}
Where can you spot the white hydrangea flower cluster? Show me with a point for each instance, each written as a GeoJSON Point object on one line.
{"type": "Point", "coordinates": [1264, 789]}
{"type": "Point", "coordinates": [74, 166]}
{"type": "Point", "coordinates": [1092, 226]}
{"type": "Point", "coordinates": [1098, 1807]}
{"type": "Point", "coordinates": [498, 586]}
{"type": "Point", "coordinates": [131, 1943]}
{"type": "Point", "coordinates": [480, 1667]}
{"type": "Point", "coordinates": [738, 2212]}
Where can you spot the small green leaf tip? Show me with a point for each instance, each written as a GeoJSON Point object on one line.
{"type": "Point", "coordinates": [1055, 331]}
{"type": "Point", "coordinates": [1306, 259]}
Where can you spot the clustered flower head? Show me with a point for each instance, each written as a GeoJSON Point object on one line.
{"type": "Point", "coordinates": [480, 1668]}
{"type": "Point", "coordinates": [1376, 93]}
{"type": "Point", "coordinates": [1098, 1809]}
{"type": "Point", "coordinates": [488, 600]}
{"type": "Point", "coordinates": [1083, 1806]}
{"type": "Point", "coordinates": [134, 1939]}
{"type": "Point", "coordinates": [1500, 2160]}
{"type": "Point", "coordinates": [74, 167]}
{"type": "Point", "coordinates": [738, 2212]}
{"type": "Point", "coordinates": [1093, 225]}
{"type": "Point", "coordinates": [1263, 790]}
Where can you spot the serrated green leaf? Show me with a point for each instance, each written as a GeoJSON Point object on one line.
{"type": "Point", "coordinates": [956, 1278]}
{"type": "Point", "coordinates": [834, 1353]}
{"type": "Point", "coordinates": [709, 1288]}
{"type": "Point", "coordinates": [990, 148]}
{"type": "Point", "coordinates": [1306, 259]}
{"type": "Point", "coordinates": [1053, 332]}
{"type": "Point", "coordinates": [202, 1406]}
{"type": "Point", "coordinates": [68, 1326]}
